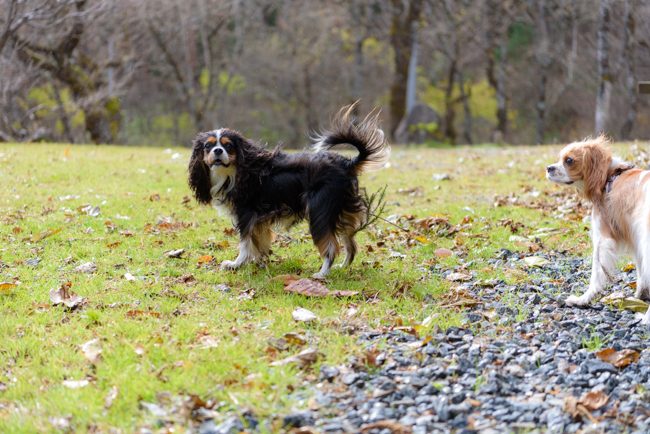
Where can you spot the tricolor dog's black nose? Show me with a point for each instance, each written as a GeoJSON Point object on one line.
{"type": "Point", "coordinates": [550, 170]}
{"type": "Point", "coordinates": [218, 151]}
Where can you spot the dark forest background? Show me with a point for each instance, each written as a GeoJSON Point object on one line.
{"type": "Point", "coordinates": [154, 72]}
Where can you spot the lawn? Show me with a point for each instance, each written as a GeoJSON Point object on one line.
{"type": "Point", "coordinates": [177, 327]}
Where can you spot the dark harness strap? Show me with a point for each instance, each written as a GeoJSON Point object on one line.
{"type": "Point", "coordinates": [612, 178]}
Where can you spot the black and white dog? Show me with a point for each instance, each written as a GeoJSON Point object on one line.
{"type": "Point", "coordinates": [261, 189]}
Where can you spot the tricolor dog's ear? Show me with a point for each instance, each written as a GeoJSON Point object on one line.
{"type": "Point", "coordinates": [199, 172]}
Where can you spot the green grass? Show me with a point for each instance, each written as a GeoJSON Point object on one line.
{"type": "Point", "coordinates": [44, 188]}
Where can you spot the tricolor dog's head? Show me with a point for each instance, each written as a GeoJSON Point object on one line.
{"type": "Point", "coordinates": [213, 151]}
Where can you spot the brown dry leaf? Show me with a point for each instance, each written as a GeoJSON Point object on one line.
{"type": "Point", "coordinates": [16, 230]}
{"type": "Point", "coordinates": [45, 234]}
{"type": "Point", "coordinates": [135, 313]}
{"type": "Point", "coordinates": [459, 298]}
{"type": "Point", "coordinates": [308, 287]}
{"type": "Point", "coordinates": [303, 359]}
{"type": "Point", "coordinates": [619, 359]}
{"type": "Point", "coordinates": [313, 288]}
{"type": "Point", "coordinates": [6, 287]}
{"type": "Point", "coordinates": [593, 400]}
{"type": "Point", "coordinates": [230, 231]}
{"type": "Point", "coordinates": [369, 357]}
{"type": "Point", "coordinates": [154, 197]}
{"type": "Point", "coordinates": [205, 259]}
{"type": "Point", "coordinates": [63, 295]}
{"type": "Point", "coordinates": [114, 244]}
{"type": "Point", "coordinates": [293, 338]}
{"type": "Point", "coordinates": [91, 350]}
{"type": "Point", "coordinates": [285, 278]}
{"type": "Point", "coordinates": [391, 425]}
{"type": "Point", "coordinates": [443, 253]}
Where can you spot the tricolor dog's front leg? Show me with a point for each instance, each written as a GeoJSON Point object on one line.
{"type": "Point", "coordinates": [247, 253]}
{"type": "Point", "coordinates": [603, 267]}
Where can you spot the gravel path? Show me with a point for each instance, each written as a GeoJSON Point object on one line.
{"type": "Point", "coordinates": [509, 369]}
{"type": "Point", "coordinates": [522, 362]}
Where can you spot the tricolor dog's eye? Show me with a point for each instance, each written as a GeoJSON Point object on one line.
{"type": "Point", "coordinates": [209, 142]}
{"type": "Point", "coordinates": [226, 143]}
{"type": "Point", "coordinates": [568, 161]}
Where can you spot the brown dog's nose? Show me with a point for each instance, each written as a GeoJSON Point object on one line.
{"type": "Point", "coordinates": [550, 169]}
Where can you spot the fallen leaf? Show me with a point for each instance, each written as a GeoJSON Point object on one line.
{"type": "Point", "coordinates": [441, 177]}
{"type": "Point", "coordinates": [619, 359]}
{"type": "Point", "coordinates": [208, 341]}
{"type": "Point", "coordinates": [443, 253]}
{"type": "Point", "coordinates": [63, 295]}
{"type": "Point", "coordinates": [110, 397]}
{"type": "Point", "coordinates": [313, 288]}
{"type": "Point", "coordinates": [303, 315]}
{"type": "Point", "coordinates": [175, 253]}
{"type": "Point", "coordinates": [536, 261]}
{"type": "Point", "coordinates": [620, 301]}
{"type": "Point", "coordinates": [86, 267]}
{"type": "Point", "coordinates": [285, 278]}
{"type": "Point", "coordinates": [92, 350]}
{"type": "Point", "coordinates": [135, 313]}
{"type": "Point", "coordinates": [391, 425]}
{"type": "Point", "coordinates": [459, 277]}
{"type": "Point", "coordinates": [92, 211]}
{"type": "Point", "coordinates": [45, 234]}
{"type": "Point", "coordinates": [6, 287]}
{"type": "Point", "coordinates": [594, 399]}
{"type": "Point", "coordinates": [307, 287]}
{"type": "Point", "coordinates": [75, 384]}
{"type": "Point", "coordinates": [293, 338]}
{"type": "Point", "coordinates": [205, 259]}
{"type": "Point", "coordinates": [629, 267]}
{"type": "Point", "coordinates": [303, 359]}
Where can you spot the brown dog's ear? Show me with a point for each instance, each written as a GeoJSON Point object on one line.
{"type": "Point", "coordinates": [199, 173]}
{"type": "Point", "coordinates": [595, 165]}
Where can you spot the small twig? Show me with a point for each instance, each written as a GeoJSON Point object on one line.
{"type": "Point", "coordinates": [375, 207]}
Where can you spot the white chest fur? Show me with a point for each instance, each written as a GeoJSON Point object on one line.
{"type": "Point", "coordinates": [222, 180]}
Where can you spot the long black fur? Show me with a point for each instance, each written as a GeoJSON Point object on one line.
{"type": "Point", "coordinates": [274, 186]}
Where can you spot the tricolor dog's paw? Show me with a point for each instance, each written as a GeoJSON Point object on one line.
{"type": "Point", "coordinates": [229, 265]}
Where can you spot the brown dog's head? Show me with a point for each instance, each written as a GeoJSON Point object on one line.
{"type": "Point", "coordinates": [588, 165]}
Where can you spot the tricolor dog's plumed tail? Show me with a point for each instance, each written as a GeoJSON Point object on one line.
{"type": "Point", "coordinates": [364, 135]}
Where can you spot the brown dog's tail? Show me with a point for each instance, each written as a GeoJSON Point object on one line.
{"type": "Point", "coordinates": [365, 136]}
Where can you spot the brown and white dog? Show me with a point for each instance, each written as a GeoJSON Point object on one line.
{"type": "Point", "coordinates": [620, 218]}
{"type": "Point", "coordinates": [263, 188]}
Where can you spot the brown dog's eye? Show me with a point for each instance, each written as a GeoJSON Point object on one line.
{"type": "Point", "coordinates": [568, 161]}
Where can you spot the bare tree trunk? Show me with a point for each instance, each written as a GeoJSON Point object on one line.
{"type": "Point", "coordinates": [65, 119]}
{"type": "Point", "coordinates": [467, 113]}
{"type": "Point", "coordinates": [628, 68]}
{"type": "Point", "coordinates": [402, 42]}
{"type": "Point", "coordinates": [411, 82]}
{"type": "Point", "coordinates": [497, 51]}
{"type": "Point", "coordinates": [450, 111]}
{"type": "Point", "coordinates": [543, 60]}
{"type": "Point", "coordinates": [604, 75]}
